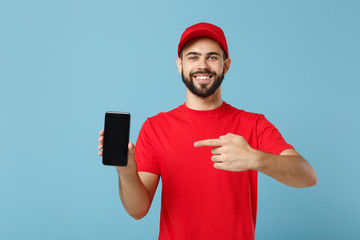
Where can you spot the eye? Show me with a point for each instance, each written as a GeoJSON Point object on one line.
{"type": "Point", "coordinates": [212, 58]}
{"type": "Point", "coordinates": [192, 57]}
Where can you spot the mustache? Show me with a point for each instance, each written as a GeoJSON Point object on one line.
{"type": "Point", "coordinates": [205, 71]}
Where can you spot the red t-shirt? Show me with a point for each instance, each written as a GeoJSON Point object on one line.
{"type": "Point", "coordinates": [199, 201]}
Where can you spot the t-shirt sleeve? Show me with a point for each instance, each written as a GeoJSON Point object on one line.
{"type": "Point", "coordinates": [269, 138]}
{"type": "Point", "coordinates": [145, 154]}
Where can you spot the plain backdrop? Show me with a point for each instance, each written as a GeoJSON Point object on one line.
{"type": "Point", "coordinates": [63, 64]}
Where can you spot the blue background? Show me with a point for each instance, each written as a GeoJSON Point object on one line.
{"type": "Point", "coordinates": [64, 63]}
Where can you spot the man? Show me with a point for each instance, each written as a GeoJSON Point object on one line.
{"type": "Point", "coordinates": [207, 153]}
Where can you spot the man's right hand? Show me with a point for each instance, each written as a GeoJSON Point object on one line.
{"type": "Point", "coordinates": [131, 155]}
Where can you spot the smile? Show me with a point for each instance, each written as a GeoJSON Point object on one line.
{"type": "Point", "coordinates": [202, 77]}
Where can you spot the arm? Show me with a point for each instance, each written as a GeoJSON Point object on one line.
{"type": "Point", "coordinates": [289, 168]}
{"type": "Point", "coordinates": [232, 153]}
{"type": "Point", "coordinates": [136, 189]}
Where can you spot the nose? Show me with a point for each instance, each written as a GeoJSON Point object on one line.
{"type": "Point", "coordinates": [203, 64]}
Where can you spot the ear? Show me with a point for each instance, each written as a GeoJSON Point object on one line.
{"type": "Point", "coordinates": [179, 65]}
{"type": "Point", "coordinates": [227, 64]}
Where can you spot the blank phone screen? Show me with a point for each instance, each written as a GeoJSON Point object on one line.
{"type": "Point", "coordinates": [116, 138]}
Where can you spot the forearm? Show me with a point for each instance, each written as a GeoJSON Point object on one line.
{"type": "Point", "coordinates": [292, 170]}
{"type": "Point", "coordinates": [133, 194]}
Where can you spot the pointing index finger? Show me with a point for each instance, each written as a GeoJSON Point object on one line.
{"type": "Point", "coordinates": [208, 142]}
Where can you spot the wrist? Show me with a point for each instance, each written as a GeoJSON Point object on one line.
{"type": "Point", "coordinates": [260, 162]}
{"type": "Point", "coordinates": [126, 171]}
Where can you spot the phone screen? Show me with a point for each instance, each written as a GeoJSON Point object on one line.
{"type": "Point", "coordinates": [116, 138]}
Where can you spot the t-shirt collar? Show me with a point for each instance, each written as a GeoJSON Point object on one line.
{"type": "Point", "coordinates": [205, 113]}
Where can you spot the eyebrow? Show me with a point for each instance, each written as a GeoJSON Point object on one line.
{"type": "Point", "coordinates": [199, 54]}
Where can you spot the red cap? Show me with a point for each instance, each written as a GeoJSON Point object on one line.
{"type": "Point", "coordinates": [203, 30]}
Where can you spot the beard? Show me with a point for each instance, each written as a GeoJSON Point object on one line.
{"type": "Point", "coordinates": [204, 90]}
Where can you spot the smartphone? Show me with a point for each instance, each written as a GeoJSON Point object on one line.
{"type": "Point", "coordinates": [116, 138]}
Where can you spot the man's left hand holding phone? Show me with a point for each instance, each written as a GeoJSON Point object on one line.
{"type": "Point", "coordinates": [114, 141]}
{"type": "Point", "coordinates": [136, 189]}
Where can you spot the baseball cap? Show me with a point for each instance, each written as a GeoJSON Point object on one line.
{"type": "Point", "coordinates": [203, 30]}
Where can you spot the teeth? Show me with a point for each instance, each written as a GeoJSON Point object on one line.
{"type": "Point", "coordinates": [202, 77]}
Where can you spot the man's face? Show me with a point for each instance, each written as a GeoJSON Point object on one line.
{"type": "Point", "coordinates": [202, 66]}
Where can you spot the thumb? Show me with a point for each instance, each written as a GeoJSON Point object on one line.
{"type": "Point", "coordinates": [131, 151]}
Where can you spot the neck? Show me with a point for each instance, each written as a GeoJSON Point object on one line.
{"type": "Point", "coordinates": [202, 104]}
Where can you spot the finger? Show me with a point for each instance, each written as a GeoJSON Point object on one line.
{"type": "Point", "coordinates": [101, 133]}
{"type": "Point", "coordinates": [216, 158]}
{"type": "Point", "coordinates": [208, 142]}
{"type": "Point", "coordinates": [131, 152]}
{"type": "Point", "coordinates": [216, 150]}
{"type": "Point", "coordinates": [100, 146]}
{"type": "Point", "coordinates": [101, 139]}
{"type": "Point", "coordinates": [100, 153]}
{"type": "Point", "coordinates": [219, 165]}
{"type": "Point", "coordinates": [228, 135]}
